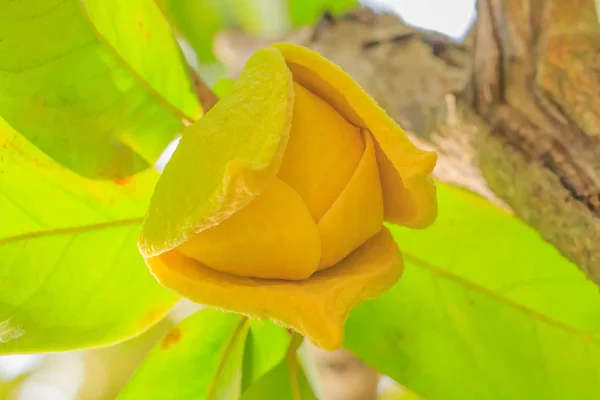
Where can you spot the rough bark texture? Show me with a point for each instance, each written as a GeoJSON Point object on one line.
{"type": "Point", "coordinates": [513, 111]}
{"type": "Point", "coordinates": [536, 82]}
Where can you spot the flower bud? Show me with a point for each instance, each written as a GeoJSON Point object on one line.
{"type": "Point", "coordinates": [273, 204]}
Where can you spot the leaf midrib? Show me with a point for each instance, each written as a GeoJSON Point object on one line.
{"type": "Point", "coordinates": [72, 230]}
{"type": "Point", "coordinates": [445, 274]}
{"type": "Point", "coordinates": [225, 356]}
{"type": "Point", "coordinates": [136, 76]}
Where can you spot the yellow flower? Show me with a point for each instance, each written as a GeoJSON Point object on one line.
{"type": "Point", "coordinates": [273, 204]}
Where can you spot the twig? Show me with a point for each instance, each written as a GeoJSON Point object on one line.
{"type": "Point", "coordinates": [206, 96]}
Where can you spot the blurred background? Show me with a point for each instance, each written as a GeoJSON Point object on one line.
{"type": "Point", "coordinates": [217, 30]}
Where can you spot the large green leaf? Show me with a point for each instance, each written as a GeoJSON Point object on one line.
{"type": "Point", "coordinates": [185, 15]}
{"type": "Point", "coordinates": [266, 346]}
{"type": "Point", "coordinates": [485, 310]}
{"type": "Point", "coordinates": [220, 356]}
{"type": "Point", "coordinates": [140, 34]}
{"type": "Point", "coordinates": [201, 358]}
{"type": "Point", "coordinates": [262, 18]}
{"type": "Point", "coordinates": [70, 272]}
{"type": "Point", "coordinates": [65, 88]}
{"type": "Point", "coordinates": [283, 382]}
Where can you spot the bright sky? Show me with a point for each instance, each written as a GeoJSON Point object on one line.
{"type": "Point", "coordinates": [452, 17]}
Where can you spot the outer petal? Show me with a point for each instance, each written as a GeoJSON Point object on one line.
{"type": "Point", "coordinates": [272, 237]}
{"type": "Point", "coordinates": [316, 307]}
{"type": "Point", "coordinates": [226, 158]}
{"type": "Point", "coordinates": [409, 176]}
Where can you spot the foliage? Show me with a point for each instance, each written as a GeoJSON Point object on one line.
{"type": "Point", "coordinates": [220, 356]}
{"type": "Point", "coordinates": [94, 113]}
{"type": "Point", "coordinates": [258, 17]}
{"type": "Point", "coordinates": [483, 300]}
{"type": "Point", "coordinates": [91, 93]}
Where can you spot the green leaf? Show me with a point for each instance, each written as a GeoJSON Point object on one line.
{"type": "Point", "coordinates": [9, 387]}
{"type": "Point", "coordinates": [285, 381]}
{"type": "Point", "coordinates": [277, 385]}
{"type": "Point", "coordinates": [206, 351]}
{"type": "Point", "coordinates": [70, 273]}
{"type": "Point", "coordinates": [70, 93]}
{"type": "Point", "coordinates": [260, 17]}
{"type": "Point", "coordinates": [138, 31]}
{"type": "Point", "coordinates": [185, 15]}
{"type": "Point", "coordinates": [266, 346]}
{"type": "Point", "coordinates": [304, 12]}
{"type": "Point", "coordinates": [483, 300]}
{"type": "Point", "coordinates": [201, 358]}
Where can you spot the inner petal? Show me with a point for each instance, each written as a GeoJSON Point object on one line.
{"type": "Point", "coordinates": [357, 214]}
{"type": "Point", "coordinates": [273, 237]}
{"type": "Point", "coordinates": [323, 152]}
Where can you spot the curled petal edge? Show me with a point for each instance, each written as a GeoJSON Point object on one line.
{"type": "Point", "coordinates": [225, 159]}
{"type": "Point", "coordinates": [405, 169]}
{"type": "Point", "coordinates": [316, 307]}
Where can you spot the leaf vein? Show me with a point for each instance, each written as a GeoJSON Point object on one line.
{"type": "Point", "coordinates": [71, 230]}
{"type": "Point", "coordinates": [586, 336]}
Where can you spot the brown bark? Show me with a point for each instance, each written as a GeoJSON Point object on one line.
{"type": "Point", "coordinates": [514, 111]}
{"type": "Point", "coordinates": [542, 153]}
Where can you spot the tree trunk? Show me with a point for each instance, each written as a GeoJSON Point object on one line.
{"type": "Point", "coordinates": [513, 111]}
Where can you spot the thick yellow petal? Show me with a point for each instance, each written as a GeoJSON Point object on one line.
{"type": "Point", "coordinates": [357, 214]}
{"type": "Point", "coordinates": [272, 237]}
{"type": "Point", "coordinates": [402, 204]}
{"type": "Point", "coordinates": [322, 153]}
{"type": "Point", "coordinates": [316, 307]}
{"type": "Point", "coordinates": [226, 158]}
{"type": "Point", "coordinates": [411, 166]}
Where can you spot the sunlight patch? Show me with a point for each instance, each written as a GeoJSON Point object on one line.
{"type": "Point", "coordinates": [9, 332]}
